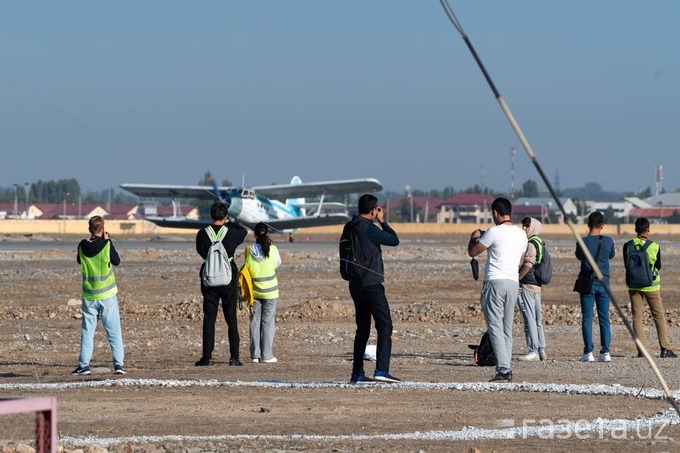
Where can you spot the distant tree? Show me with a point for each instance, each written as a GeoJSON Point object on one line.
{"type": "Point", "coordinates": [530, 189]}
{"type": "Point", "coordinates": [610, 216]}
{"type": "Point", "coordinates": [55, 191]}
{"type": "Point", "coordinates": [405, 210]}
{"type": "Point", "coordinates": [675, 217]}
{"type": "Point", "coordinates": [645, 193]}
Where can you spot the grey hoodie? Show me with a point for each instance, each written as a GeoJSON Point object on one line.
{"type": "Point", "coordinates": [258, 255]}
{"type": "Point", "coordinates": [530, 256]}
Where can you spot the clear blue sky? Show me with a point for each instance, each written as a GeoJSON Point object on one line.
{"type": "Point", "coordinates": [336, 89]}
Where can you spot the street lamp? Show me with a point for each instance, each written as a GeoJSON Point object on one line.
{"type": "Point", "coordinates": [16, 210]}
{"type": "Point", "coordinates": [26, 184]}
{"type": "Point", "coordinates": [65, 196]}
{"type": "Point", "coordinates": [410, 197]}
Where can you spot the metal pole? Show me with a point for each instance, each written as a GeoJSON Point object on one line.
{"type": "Point", "coordinates": [525, 144]}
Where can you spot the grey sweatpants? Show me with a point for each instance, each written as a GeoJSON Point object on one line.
{"type": "Point", "coordinates": [498, 299]}
{"type": "Point", "coordinates": [262, 328]}
{"type": "Point", "coordinates": [530, 307]}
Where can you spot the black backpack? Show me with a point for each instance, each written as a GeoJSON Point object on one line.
{"type": "Point", "coordinates": [483, 353]}
{"type": "Point", "coordinates": [639, 273]}
{"type": "Point", "coordinates": [353, 265]}
{"type": "Point", "coordinates": [543, 269]}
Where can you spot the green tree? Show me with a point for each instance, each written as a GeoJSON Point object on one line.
{"type": "Point", "coordinates": [530, 189]}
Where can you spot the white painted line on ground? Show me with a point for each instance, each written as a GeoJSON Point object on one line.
{"type": "Point", "coordinates": [643, 428]}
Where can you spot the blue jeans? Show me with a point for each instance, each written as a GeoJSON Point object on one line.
{"type": "Point", "coordinates": [108, 310]}
{"type": "Point", "coordinates": [598, 296]}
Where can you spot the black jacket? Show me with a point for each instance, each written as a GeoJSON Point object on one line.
{"type": "Point", "coordinates": [92, 247]}
{"type": "Point", "coordinates": [371, 238]}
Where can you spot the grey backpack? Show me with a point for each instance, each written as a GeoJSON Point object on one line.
{"type": "Point", "coordinates": [217, 268]}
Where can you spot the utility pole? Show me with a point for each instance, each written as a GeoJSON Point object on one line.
{"type": "Point", "coordinates": [27, 187]}
{"type": "Point", "coordinates": [16, 209]}
{"type": "Point", "coordinates": [512, 173]}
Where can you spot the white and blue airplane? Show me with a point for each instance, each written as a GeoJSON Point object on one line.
{"type": "Point", "coordinates": [248, 206]}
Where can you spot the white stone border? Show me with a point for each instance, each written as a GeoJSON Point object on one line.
{"type": "Point", "coordinates": [561, 429]}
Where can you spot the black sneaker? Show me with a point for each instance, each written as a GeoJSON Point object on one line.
{"type": "Point", "coordinates": [81, 371]}
{"type": "Point", "coordinates": [119, 369]}
{"type": "Point", "coordinates": [235, 362]}
{"type": "Point", "coordinates": [204, 362]}
{"type": "Point", "coordinates": [668, 354]}
{"type": "Point", "coordinates": [359, 378]}
{"type": "Point", "coordinates": [381, 376]}
{"type": "Point", "coordinates": [502, 377]}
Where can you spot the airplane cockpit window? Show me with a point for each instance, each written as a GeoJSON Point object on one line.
{"type": "Point", "coordinates": [247, 193]}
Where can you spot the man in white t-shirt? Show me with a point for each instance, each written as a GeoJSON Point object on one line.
{"type": "Point", "coordinates": [505, 244]}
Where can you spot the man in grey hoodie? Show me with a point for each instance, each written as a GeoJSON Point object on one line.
{"type": "Point", "coordinates": [529, 299]}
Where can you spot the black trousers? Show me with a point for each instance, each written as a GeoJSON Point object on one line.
{"type": "Point", "coordinates": [370, 301]}
{"type": "Point", "coordinates": [211, 303]}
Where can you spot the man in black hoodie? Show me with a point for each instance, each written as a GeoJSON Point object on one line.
{"type": "Point", "coordinates": [369, 293]}
{"type": "Point", "coordinates": [96, 257]}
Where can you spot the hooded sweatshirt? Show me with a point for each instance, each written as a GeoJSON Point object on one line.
{"type": "Point", "coordinates": [529, 281]}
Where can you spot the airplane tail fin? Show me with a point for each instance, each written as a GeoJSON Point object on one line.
{"type": "Point", "coordinates": [296, 201]}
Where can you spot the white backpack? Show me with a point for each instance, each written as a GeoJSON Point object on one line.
{"type": "Point", "coordinates": [217, 269]}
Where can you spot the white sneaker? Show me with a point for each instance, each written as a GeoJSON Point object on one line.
{"type": "Point", "coordinates": [587, 357]}
{"type": "Point", "coordinates": [604, 357]}
{"type": "Point", "coordinates": [255, 360]}
{"type": "Point", "coordinates": [272, 360]}
{"type": "Point", "coordinates": [542, 354]}
{"type": "Point", "coordinates": [531, 357]}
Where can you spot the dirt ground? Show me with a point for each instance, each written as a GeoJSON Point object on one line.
{"type": "Point", "coordinates": [302, 402]}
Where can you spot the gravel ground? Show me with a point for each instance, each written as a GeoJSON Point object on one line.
{"type": "Point", "coordinates": [303, 402]}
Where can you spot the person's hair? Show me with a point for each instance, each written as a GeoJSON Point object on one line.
{"type": "Point", "coordinates": [218, 211]}
{"type": "Point", "coordinates": [595, 220]}
{"type": "Point", "coordinates": [95, 224]}
{"type": "Point", "coordinates": [262, 238]}
{"type": "Point", "coordinates": [502, 206]}
{"type": "Point", "coordinates": [526, 222]}
{"type": "Point", "coordinates": [641, 225]}
{"type": "Point", "coordinates": [367, 203]}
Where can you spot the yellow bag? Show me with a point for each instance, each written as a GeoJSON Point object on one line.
{"type": "Point", "coordinates": [245, 285]}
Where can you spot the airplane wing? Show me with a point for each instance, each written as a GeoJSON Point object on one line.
{"type": "Point", "coordinates": [175, 191]}
{"type": "Point", "coordinates": [315, 189]}
{"type": "Point", "coordinates": [279, 225]}
{"type": "Point", "coordinates": [325, 206]}
{"type": "Point", "coordinates": [308, 221]}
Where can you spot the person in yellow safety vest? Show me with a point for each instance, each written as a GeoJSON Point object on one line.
{"type": "Point", "coordinates": [651, 294]}
{"type": "Point", "coordinates": [262, 260]}
{"type": "Point", "coordinates": [96, 257]}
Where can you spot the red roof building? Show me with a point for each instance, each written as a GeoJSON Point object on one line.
{"type": "Point", "coordinates": [466, 208]}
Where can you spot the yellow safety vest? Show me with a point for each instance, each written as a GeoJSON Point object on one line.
{"type": "Point", "coordinates": [263, 273]}
{"type": "Point", "coordinates": [99, 282]}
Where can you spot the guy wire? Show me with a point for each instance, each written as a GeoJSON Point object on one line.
{"type": "Point", "coordinates": [108, 137]}
{"type": "Point", "coordinates": [454, 20]}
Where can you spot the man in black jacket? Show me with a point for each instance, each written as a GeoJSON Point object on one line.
{"type": "Point", "coordinates": [369, 293]}
{"type": "Point", "coordinates": [235, 236]}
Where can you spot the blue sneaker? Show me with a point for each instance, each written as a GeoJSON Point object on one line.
{"type": "Point", "coordinates": [356, 378]}
{"type": "Point", "coordinates": [383, 376]}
